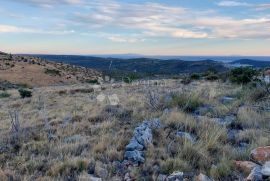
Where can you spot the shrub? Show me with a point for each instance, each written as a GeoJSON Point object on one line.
{"type": "Point", "coordinates": [242, 75]}
{"type": "Point", "coordinates": [25, 93]}
{"type": "Point", "coordinates": [188, 103]}
{"type": "Point", "coordinates": [95, 81]}
{"type": "Point", "coordinates": [195, 76]}
{"type": "Point", "coordinates": [53, 72]}
{"type": "Point", "coordinates": [212, 77]}
{"type": "Point", "coordinates": [130, 78]}
{"type": "Point", "coordinates": [4, 95]}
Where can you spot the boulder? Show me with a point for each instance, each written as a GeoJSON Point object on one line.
{"type": "Point", "coordinates": [88, 177]}
{"type": "Point", "coordinates": [93, 178]}
{"type": "Point", "coordinates": [134, 145]}
{"type": "Point", "coordinates": [134, 156]}
{"type": "Point", "coordinates": [161, 177]}
{"type": "Point", "coordinates": [266, 169]}
{"type": "Point", "coordinates": [202, 177]}
{"type": "Point", "coordinates": [144, 137]}
{"type": "Point", "coordinates": [180, 176]}
{"type": "Point", "coordinates": [261, 154]}
{"type": "Point", "coordinates": [245, 166]}
{"type": "Point", "coordinates": [186, 136]}
{"type": "Point", "coordinates": [255, 175]}
{"type": "Point", "coordinates": [227, 120]}
{"type": "Point", "coordinates": [127, 177]}
{"type": "Point", "coordinates": [175, 176]}
{"type": "Point", "coordinates": [203, 110]}
{"type": "Point", "coordinates": [226, 100]}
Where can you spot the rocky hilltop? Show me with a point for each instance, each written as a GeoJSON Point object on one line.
{"type": "Point", "coordinates": [33, 71]}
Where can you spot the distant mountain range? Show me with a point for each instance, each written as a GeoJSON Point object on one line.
{"type": "Point", "coordinates": [140, 65]}
{"type": "Point", "coordinates": [151, 65]}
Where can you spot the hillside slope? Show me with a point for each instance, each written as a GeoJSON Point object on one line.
{"type": "Point", "coordinates": [37, 72]}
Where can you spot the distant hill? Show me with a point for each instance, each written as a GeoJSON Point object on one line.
{"type": "Point", "coordinates": [33, 71]}
{"type": "Point", "coordinates": [253, 63]}
{"type": "Point", "coordinates": [139, 65]}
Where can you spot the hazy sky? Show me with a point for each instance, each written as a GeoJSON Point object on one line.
{"type": "Point", "coordinates": [157, 27]}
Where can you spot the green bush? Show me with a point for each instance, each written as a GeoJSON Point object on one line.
{"type": "Point", "coordinates": [195, 76]}
{"type": "Point", "coordinates": [130, 78]}
{"type": "Point", "coordinates": [53, 72]}
{"type": "Point", "coordinates": [25, 93]}
{"type": "Point", "coordinates": [242, 75]}
{"type": "Point", "coordinates": [4, 95]}
{"type": "Point", "coordinates": [212, 77]}
{"type": "Point", "coordinates": [188, 103]}
{"type": "Point", "coordinates": [90, 81]}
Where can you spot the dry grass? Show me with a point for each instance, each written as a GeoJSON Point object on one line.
{"type": "Point", "coordinates": [83, 130]}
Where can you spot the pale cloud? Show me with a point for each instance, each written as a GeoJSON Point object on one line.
{"type": "Point", "coordinates": [263, 6]}
{"type": "Point", "coordinates": [16, 29]}
{"type": "Point", "coordinates": [158, 20]}
{"type": "Point", "coordinates": [232, 3]}
{"type": "Point", "coordinates": [243, 4]}
{"type": "Point", "coordinates": [122, 39]}
{"type": "Point", "coordinates": [151, 20]}
{"type": "Point", "coordinates": [50, 3]}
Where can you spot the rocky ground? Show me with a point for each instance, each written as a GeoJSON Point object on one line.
{"type": "Point", "coordinates": [152, 130]}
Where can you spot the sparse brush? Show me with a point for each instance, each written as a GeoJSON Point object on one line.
{"type": "Point", "coordinates": [25, 93]}
{"type": "Point", "coordinates": [4, 95]}
{"type": "Point", "coordinates": [186, 102]}
{"type": "Point", "coordinates": [222, 170]}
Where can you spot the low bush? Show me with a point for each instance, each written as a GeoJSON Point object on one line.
{"type": "Point", "coordinates": [130, 78]}
{"type": "Point", "coordinates": [242, 75]}
{"type": "Point", "coordinates": [187, 103]}
{"type": "Point", "coordinates": [25, 93]}
{"type": "Point", "coordinates": [53, 72]}
{"type": "Point", "coordinates": [212, 77]}
{"type": "Point", "coordinates": [95, 81]}
{"type": "Point", "coordinates": [4, 95]}
{"type": "Point", "coordinates": [195, 76]}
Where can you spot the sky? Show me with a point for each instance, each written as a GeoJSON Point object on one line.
{"type": "Point", "coordinates": [157, 27]}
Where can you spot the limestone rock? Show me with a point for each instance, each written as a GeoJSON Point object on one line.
{"type": "Point", "coordinates": [245, 166]}
{"type": "Point", "coordinates": [266, 169]}
{"type": "Point", "coordinates": [186, 136]}
{"type": "Point", "coordinates": [226, 100]}
{"type": "Point", "coordinates": [261, 154]}
{"type": "Point", "coordinates": [255, 175]}
{"type": "Point", "coordinates": [134, 145]}
{"type": "Point", "coordinates": [202, 177]}
{"type": "Point", "coordinates": [134, 156]}
{"type": "Point", "coordinates": [88, 177]}
{"type": "Point", "coordinates": [175, 176]}
{"type": "Point", "coordinates": [161, 177]}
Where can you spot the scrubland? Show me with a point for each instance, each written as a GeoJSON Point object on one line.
{"type": "Point", "coordinates": [66, 133]}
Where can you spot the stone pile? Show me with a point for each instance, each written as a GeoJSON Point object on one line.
{"type": "Point", "coordinates": [259, 168]}
{"type": "Point", "coordinates": [142, 137]}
